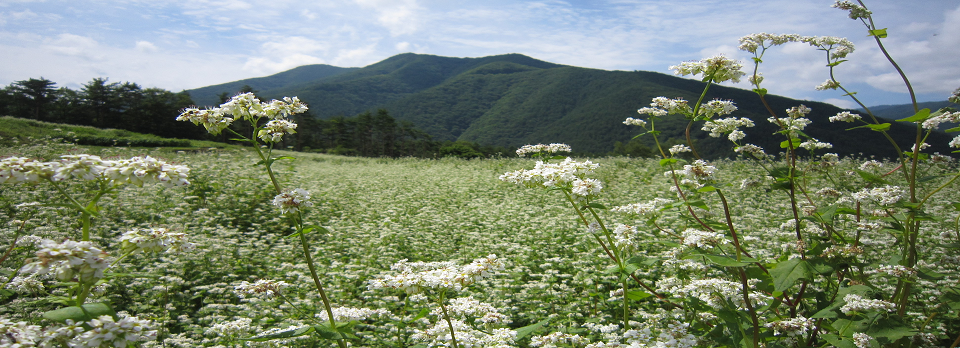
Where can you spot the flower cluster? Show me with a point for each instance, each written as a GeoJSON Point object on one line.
{"type": "Point", "coordinates": [792, 327]}
{"type": "Point", "coordinates": [814, 144]}
{"type": "Point", "coordinates": [856, 11]}
{"type": "Point", "coordinates": [413, 277]}
{"type": "Point", "coordinates": [551, 340]}
{"type": "Point", "coordinates": [886, 195]}
{"type": "Point", "coordinates": [716, 69]}
{"type": "Point", "coordinates": [467, 336]}
{"type": "Point", "coordinates": [713, 292]}
{"type": "Point", "coordinates": [837, 47]}
{"type": "Point", "coordinates": [894, 270]}
{"type": "Point", "coordinates": [856, 303]}
{"type": "Point", "coordinates": [828, 84]}
{"type": "Point", "coordinates": [751, 43]}
{"type": "Point", "coordinates": [246, 106]}
{"type": "Point", "coordinates": [717, 107]}
{"type": "Point", "coordinates": [483, 312]}
{"type": "Point", "coordinates": [524, 150]}
{"type": "Point", "coordinates": [154, 240]}
{"type": "Point", "coordinates": [730, 126]}
{"type": "Point", "coordinates": [955, 97]}
{"type": "Point", "coordinates": [266, 288]}
{"type": "Point", "coordinates": [71, 260]}
{"type": "Point", "coordinates": [935, 121]}
{"type": "Point", "coordinates": [274, 130]}
{"type": "Point", "coordinates": [702, 239]}
{"type": "Point", "coordinates": [292, 200]}
{"type": "Point", "coordinates": [136, 170]}
{"type": "Point", "coordinates": [566, 174]}
{"type": "Point", "coordinates": [845, 116]}
{"type": "Point", "coordinates": [646, 209]}
{"type": "Point", "coordinates": [625, 236]}
{"type": "Point", "coordinates": [662, 106]}
{"type": "Point", "coordinates": [105, 332]}
{"type": "Point", "coordinates": [346, 314]}
{"type": "Point", "coordinates": [796, 121]}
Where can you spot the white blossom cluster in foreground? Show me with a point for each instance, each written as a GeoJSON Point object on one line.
{"type": "Point", "coordinates": [135, 170]}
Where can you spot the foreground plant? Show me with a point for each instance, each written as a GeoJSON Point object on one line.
{"type": "Point", "coordinates": [269, 124]}
{"type": "Point", "coordinates": [838, 283]}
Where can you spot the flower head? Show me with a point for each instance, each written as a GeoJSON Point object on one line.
{"type": "Point", "coordinates": [856, 11]}
{"type": "Point", "coordinates": [292, 200]}
{"type": "Point", "coordinates": [761, 41]}
{"type": "Point", "coordinates": [541, 149]}
{"type": "Point", "coordinates": [154, 240]}
{"type": "Point", "coordinates": [274, 130]}
{"type": "Point", "coordinates": [70, 259]}
{"type": "Point", "coordinates": [716, 69]}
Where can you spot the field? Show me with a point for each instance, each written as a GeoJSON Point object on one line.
{"type": "Point", "coordinates": [376, 212]}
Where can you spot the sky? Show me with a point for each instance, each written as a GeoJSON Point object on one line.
{"type": "Point", "coordinates": [186, 44]}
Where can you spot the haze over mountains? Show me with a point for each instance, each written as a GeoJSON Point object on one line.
{"type": "Point", "coordinates": [511, 100]}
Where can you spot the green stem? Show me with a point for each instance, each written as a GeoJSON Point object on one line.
{"type": "Point", "coordinates": [453, 335]}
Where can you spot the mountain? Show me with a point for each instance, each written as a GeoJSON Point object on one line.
{"type": "Point", "coordinates": [511, 100]}
{"type": "Point", "coordinates": [899, 111]}
{"type": "Point", "coordinates": [209, 95]}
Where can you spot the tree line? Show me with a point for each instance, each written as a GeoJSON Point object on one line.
{"type": "Point", "coordinates": [104, 104]}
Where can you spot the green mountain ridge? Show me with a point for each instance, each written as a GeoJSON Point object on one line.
{"type": "Point", "coordinates": [511, 100]}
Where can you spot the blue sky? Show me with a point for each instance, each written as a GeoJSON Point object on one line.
{"type": "Point", "coordinates": [184, 44]}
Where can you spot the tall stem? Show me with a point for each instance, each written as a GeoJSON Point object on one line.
{"type": "Point", "coordinates": [453, 335]}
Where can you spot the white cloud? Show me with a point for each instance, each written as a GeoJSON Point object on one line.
{"type": "Point", "coordinates": [145, 47]}
{"type": "Point", "coordinates": [400, 17]}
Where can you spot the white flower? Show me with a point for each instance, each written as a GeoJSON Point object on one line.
{"type": "Point", "coordinates": [717, 69]}
{"type": "Point", "coordinates": [292, 200]}
{"type": "Point", "coordinates": [856, 11]}
{"type": "Point", "coordinates": [105, 332]}
{"type": "Point", "coordinates": [154, 240]}
{"type": "Point", "coordinates": [676, 149]}
{"type": "Point", "coordinates": [416, 276]}
{"type": "Point", "coordinates": [855, 303]}
{"type": "Point", "coordinates": [751, 43]}
{"type": "Point", "coordinates": [630, 121]}
{"type": "Point", "coordinates": [70, 259]}
{"type": "Point", "coordinates": [814, 144]}
{"type": "Point", "coordinates": [886, 195]}
{"type": "Point", "coordinates": [274, 130]}
{"type": "Point", "coordinates": [828, 84]}
{"type": "Point", "coordinates": [586, 187]}
{"type": "Point", "coordinates": [845, 116]}
{"type": "Point", "coordinates": [717, 107]}
{"type": "Point", "coordinates": [265, 288]}
{"type": "Point", "coordinates": [543, 149]}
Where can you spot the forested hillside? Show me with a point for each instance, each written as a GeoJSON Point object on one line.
{"type": "Point", "coordinates": [512, 100]}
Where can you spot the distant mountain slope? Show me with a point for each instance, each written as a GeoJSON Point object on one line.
{"type": "Point", "coordinates": [512, 100]}
{"type": "Point", "coordinates": [209, 95]}
{"type": "Point", "coordinates": [899, 111]}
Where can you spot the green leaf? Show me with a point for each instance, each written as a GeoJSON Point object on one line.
{"type": "Point", "coordinates": [529, 329]}
{"type": "Point", "coordinates": [786, 273]}
{"type": "Point", "coordinates": [638, 295]}
{"type": "Point", "coordinates": [726, 261]}
{"type": "Point", "coordinates": [879, 127]}
{"type": "Point", "coordinates": [295, 332]}
{"type": "Point", "coordinates": [341, 332]}
{"type": "Point", "coordinates": [596, 206]}
{"type": "Point", "coordinates": [836, 63]}
{"type": "Point", "coordinates": [920, 116]}
{"type": "Point", "coordinates": [83, 313]}
{"type": "Point", "coordinates": [760, 91]}
{"type": "Point", "coordinates": [881, 33]}
{"type": "Point", "coordinates": [284, 157]}
{"type": "Point", "coordinates": [871, 178]}
{"type": "Point", "coordinates": [664, 162]}
{"type": "Point", "coordinates": [707, 188]}
{"type": "Point", "coordinates": [699, 204]}
{"type": "Point", "coordinates": [786, 143]}
{"type": "Point", "coordinates": [837, 342]}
